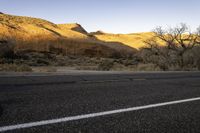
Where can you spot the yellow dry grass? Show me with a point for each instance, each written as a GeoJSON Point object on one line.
{"type": "Point", "coordinates": [135, 40]}
{"type": "Point", "coordinates": [27, 26]}
{"type": "Point", "coordinates": [38, 34]}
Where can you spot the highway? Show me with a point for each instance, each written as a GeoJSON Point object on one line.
{"type": "Point", "coordinates": [160, 102]}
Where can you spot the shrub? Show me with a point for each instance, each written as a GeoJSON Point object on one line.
{"type": "Point", "coordinates": [7, 49]}
{"type": "Point", "coordinates": [42, 62]}
{"type": "Point", "coordinates": [105, 65]}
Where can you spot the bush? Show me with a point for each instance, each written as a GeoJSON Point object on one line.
{"type": "Point", "coordinates": [42, 62]}
{"type": "Point", "coordinates": [7, 49]}
{"type": "Point", "coordinates": [105, 65]}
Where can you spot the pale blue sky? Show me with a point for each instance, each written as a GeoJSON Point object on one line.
{"type": "Point", "coordinates": [117, 16]}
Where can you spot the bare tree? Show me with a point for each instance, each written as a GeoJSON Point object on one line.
{"type": "Point", "coordinates": [173, 41]}
{"type": "Point", "coordinates": [155, 53]}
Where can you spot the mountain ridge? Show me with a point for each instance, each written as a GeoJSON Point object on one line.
{"type": "Point", "coordinates": [37, 34]}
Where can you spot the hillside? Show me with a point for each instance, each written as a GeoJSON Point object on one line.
{"type": "Point", "coordinates": [35, 34]}
{"type": "Point", "coordinates": [37, 42]}
{"type": "Point", "coordinates": [135, 40]}
{"type": "Point", "coordinates": [73, 27]}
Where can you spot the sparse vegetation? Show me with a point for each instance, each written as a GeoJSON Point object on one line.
{"type": "Point", "coordinates": [26, 41]}
{"type": "Point", "coordinates": [146, 67]}
{"type": "Point", "coordinates": [175, 52]}
{"type": "Point", "coordinates": [38, 35]}
{"type": "Point", "coordinates": [6, 46]}
{"type": "Point", "coordinates": [106, 65]}
{"type": "Point", "coordinates": [15, 68]}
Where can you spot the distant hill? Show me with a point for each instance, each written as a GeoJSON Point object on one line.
{"type": "Point", "coordinates": [74, 27]}
{"type": "Point", "coordinates": [135, 40]}
{"type": "Point", "coordinates": [35, 34]}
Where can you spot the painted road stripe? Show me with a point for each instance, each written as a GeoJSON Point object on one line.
{"type": "Point", "coordinates": [92, 115]}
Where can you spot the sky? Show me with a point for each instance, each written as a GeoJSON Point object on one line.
{"type": "Point", "coordinates": [113, 16]}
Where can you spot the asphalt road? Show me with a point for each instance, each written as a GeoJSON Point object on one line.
{"type": "Point", "coordinates": [25, 99]}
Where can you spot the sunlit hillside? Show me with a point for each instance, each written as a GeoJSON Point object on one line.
{"type": "Point", "coordinates": [27, 26]}
{"type": "Point", "coordinates": [34, 34]}
{"type": "Point", "coordinates": [135, 40]}
{"type": "Point", "coordinates": [34, 41]}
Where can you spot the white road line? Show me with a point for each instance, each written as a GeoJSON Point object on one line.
{"type": "Point", "coordinates": [92, 115]}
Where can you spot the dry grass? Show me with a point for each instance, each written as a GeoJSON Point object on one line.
{"type": "Point", "coordinates": [132, 40]}
{"type": "Point", "coordinates": [14, 68]}
{"type": "Point", "coordinates": [105, 65]}
{"type": "Point", "coordinates": [44, 69]}
{"type": "Point", "coordinates": [146, 67]}
{"type": "Point", "coordinates": [87, 68]}
{"type": "Point", "coordinates": [33, 34]}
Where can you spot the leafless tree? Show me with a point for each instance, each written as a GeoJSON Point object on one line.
{"type": "Point", "coordinates": [173, 41]}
